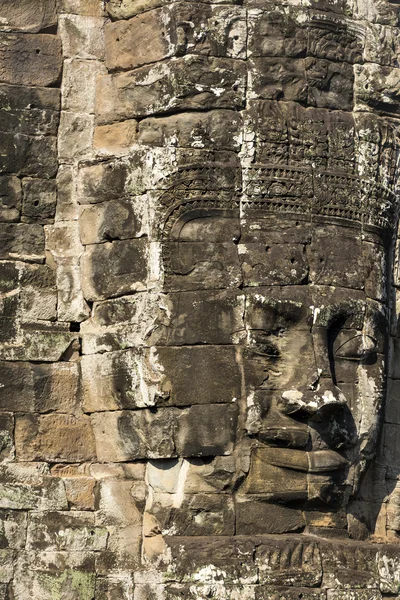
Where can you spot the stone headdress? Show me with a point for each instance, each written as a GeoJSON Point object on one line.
{"type": "Point", "coordinates": [204, 190]}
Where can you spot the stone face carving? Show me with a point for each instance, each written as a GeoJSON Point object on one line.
{"type": "Point", "coordinates": [199, 342]}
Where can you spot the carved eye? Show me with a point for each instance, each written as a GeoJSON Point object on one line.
{"type": "Point", "coordinates": [266, 349]}
{"type": "Point", "coordinates": [358, 347]}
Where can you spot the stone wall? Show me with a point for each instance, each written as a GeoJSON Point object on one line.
{"type": "Point", "coordinates": [172, 173]}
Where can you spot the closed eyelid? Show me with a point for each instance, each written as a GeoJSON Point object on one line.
{"type": "Point", "coordinates": [367, 345]}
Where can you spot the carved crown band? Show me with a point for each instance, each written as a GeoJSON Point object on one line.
{"type": "Point", "coordinates": [278, 189]}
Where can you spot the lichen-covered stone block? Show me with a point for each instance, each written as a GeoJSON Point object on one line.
{"type": "Point", "coordinates": [71, 531]}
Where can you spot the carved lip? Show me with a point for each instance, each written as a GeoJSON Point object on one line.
{"type": "Point", "coordinates": [317, 461]}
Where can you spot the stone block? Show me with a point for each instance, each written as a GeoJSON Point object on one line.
{"type": "Point", "coordinates": [197, 515]}
{"type": "Point", "coordinates": [288, 593]}
{"type": "Point", "coordinates": [211, 30]}
{"type": "Point", "coordinates": [265, 477]}
{"type": "Point", "coordinates": [80, 492]}
{"type": "Point", "coordinates": [349, 566]}
{"type": "Point", "coordinates": [21, 241]}
{"type": "Point", "coordinates": [75, 136]}
{"type": "Point", "coordinates": [28, 15]}
{"type": "Point", "coordinates": [208, 430]}
{"type": "Point", "coordinates": [13, 526]}
{"type": "Point", "coordinates": [330, 84]}
{"type": "Point", "coordinates": [114, 587]}
{"type": "Point", "coordinates": [114, 268]}
{"type": "Point", "coordinates": [28, 59]}
{"type": "Point", "coordinates": [79, 583]}
{"type": "Point", "coordinates": [113, 220]}
{"type": "Point", "coordinates": [55, 387]}
{"type": "Point", "coordinates": [43, 341]}
{"type": "Point", "coordinates": [71, 531]}
{"type": "Point", "coordinates": [16, 390]}
{"type": "Point", "coordinates": [39, 200]}
{"type": "Point", "coordinates": [115, 380]}
{"type": "Point", "coordinates": [62, 239]}
{"type": "Point", "coordinates": [82, 36]}
{"type": "Point", "coordinates": [6, 436]}
{"type": "Point", "coordinates": [199, 375]}
{"type": "Point", "coordinates": [279, 78]}
{"type": "Point", "coordinates": [79, 84]}
{"type": "Point", "coordinates": [201, 265]}
{"type": "Point", "coordinates": [18, 118]}
{"type": "Point", "coordinates": [354, 595]}
{"type": "Point", "coordinates": [72, 306]}
{"type": "Point", "coordinates": [56, 438]}
{"type": "Point", "coordinates": [214, 559]}
{"type": "Point", "coordinates": [218, 129]}
{"type": "Point", "coordinates": [67, 202]}
{"type": "Point", "coordinates": [274, 264]}
{"type": "Point", "coordinates": [134, 435]}
{"type": "Point", "coordinates": [121, 323]}
{"type": "Point", "coordinates": [159, 89]}
{"type": "Point", "coordinates": [28, 155]}
{"type": "Point", "coordinates": [86, 8]}
{"type": "Point", "coordinates": [139, 41]}
{"type": "Point", "coordinates": [333, 38]}
{"type": "Point", "coordinates": [102, 182]}
{"type": "Point", "coordinates": [10, 199]}
{"type": "Point", "coordinates": [260, 517]}
{"type": "Point", "coordinates": [120, 511]}
{"type": "Point", "coordinates": [39, 158]}
{"type": "Point", "coordinates": [116, 138]}
{"type": "Point", "coordinates": [280, 32]}
{"type": "Point", "coordinates": [376, 89]}
{"type": "Point", "coordinates": [204, 317]}
{"type": "Point", "coordinates": [26, 488]}
{"type": "Point", "coordinates": [216, 475]}
{"type": "Point", "coordinates": [289, 561]}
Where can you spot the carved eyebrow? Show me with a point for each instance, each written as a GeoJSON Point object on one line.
{"type": "Point", "coordinates": [338, 314]}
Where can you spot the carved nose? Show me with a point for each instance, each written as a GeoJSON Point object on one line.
{"type": "Point", "coordinates": [311, 403]}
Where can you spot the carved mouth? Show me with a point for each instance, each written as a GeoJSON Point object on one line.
{"type": "Point", "coordinates": [318, 461]}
